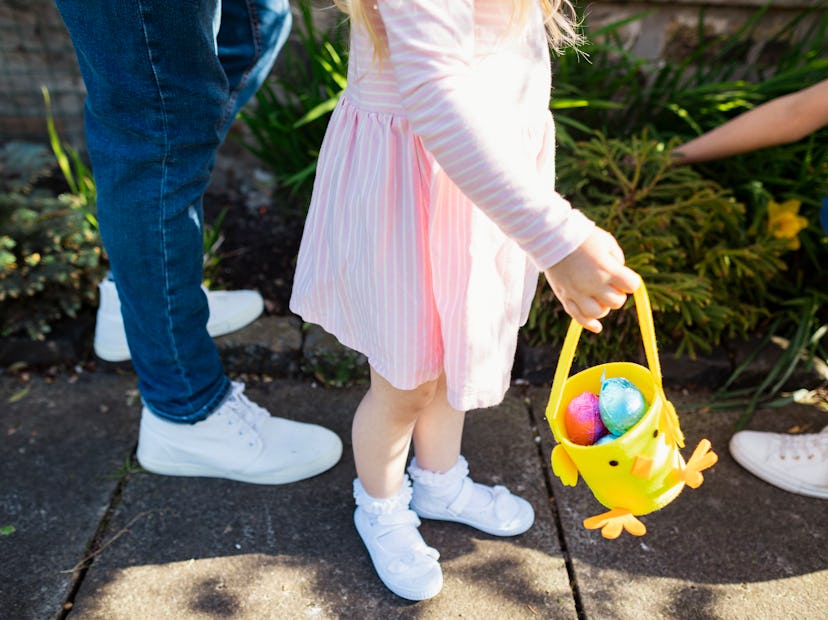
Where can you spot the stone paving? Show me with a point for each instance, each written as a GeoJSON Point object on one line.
{"type": "Point", "coordinates": [94, 538]}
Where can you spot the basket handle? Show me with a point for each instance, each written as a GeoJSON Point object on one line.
{"type": "Point", "coordinates": [573, 334]}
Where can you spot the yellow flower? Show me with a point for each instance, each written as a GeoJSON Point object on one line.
{"type": "Point", "coordinates": [784, 221]}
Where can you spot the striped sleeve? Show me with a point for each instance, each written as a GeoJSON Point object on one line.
{"type": "Point", "coordinates": [476, 142]}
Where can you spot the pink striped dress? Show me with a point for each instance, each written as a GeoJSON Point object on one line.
{"type": "Point", "coordinates": [434, 204]}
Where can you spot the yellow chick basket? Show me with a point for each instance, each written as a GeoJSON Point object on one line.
{"type": "Point", "coordinates": [642, 470]}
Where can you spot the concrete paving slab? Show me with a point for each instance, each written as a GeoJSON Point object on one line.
{"type": "Point", "coordinates": [734, 548]}
{"type": "Point", "coordinates": [61, 446]}
{"type": "Point", "coordinates": [201, 548]}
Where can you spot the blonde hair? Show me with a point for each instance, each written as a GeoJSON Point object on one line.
{"type": "Point", "coordinates": [558, 15]}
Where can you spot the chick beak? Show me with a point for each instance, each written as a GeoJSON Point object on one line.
{"type": "Point", "coordinates": [642, 467]}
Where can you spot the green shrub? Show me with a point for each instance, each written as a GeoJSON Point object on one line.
{"type": "Point", "coordinates": [50, 251]}
{"type": "Point", "coordinates": [617, 94]}
{"type": "Point", "coordinates": [50, 262]}
{"type": "Point", "coordinates": [706, 267]}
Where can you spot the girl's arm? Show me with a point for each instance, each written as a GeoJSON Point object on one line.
{"type": "Point", "coordinates": [479, 145]}
{"type": "Point", "coordinates": [475, 141]}
{"type": "Point", "coordinates": [780, 121]}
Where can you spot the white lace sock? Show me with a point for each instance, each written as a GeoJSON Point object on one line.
{"type": "Point", "coordinates": [453, 496]}
{"type": "Point", "coordinates": [405, 564]}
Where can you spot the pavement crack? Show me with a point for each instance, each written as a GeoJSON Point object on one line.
{"type": "Point", "coordinates": [97, 543]}
{"type": "Point", "coordinates": [534, 422]}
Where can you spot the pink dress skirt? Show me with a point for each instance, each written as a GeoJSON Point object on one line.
{"type": "Point", "coordinates": [396, 261]}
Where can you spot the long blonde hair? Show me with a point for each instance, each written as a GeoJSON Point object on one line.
{"type": "Point", "coordinates": [559, 17]}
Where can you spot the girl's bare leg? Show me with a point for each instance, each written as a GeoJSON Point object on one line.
{"type": "Point", "coordinates": [438, 432]}
{"type": "Point", "coordinates": [441, 486]}
{"type": "Point", "coordinates": [382, 432]}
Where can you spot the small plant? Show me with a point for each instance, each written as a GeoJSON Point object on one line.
{"type": "Point", "coordinates": [129, 467]}
{"type": "Point", "coordinates": [761, 265]}
{"type": "Point", "coordinates": [50, 253]}
{"type": "Point", "coordinates": [707, 270]}
{"type": "Point", "coordinates": [802, 349]}
{"type": "Point", "coordinates": [213, 238]}
{"type": "Point", "coordinates": [51, 258]}
{"type": "Point", "coordinates": [83, 194]}
{"type": "Point", "coordinates": [617, 93]}
{"type": "Point", "coordinates": [289, 119]}
{"type": "Point", "coordinates": [339, 369]}
{"type": "Point", "coordinates": [330, 362]}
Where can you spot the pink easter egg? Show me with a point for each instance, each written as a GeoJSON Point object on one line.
{"type": "Point", "coordinates": [583, 420]}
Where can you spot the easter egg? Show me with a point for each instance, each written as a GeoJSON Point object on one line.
{"type": "Point", "coordinates": [606, 439]}
{"type": "Point", "coordinates": [621, 404]}
{"type": "Point", "coordinates": [583, 419]}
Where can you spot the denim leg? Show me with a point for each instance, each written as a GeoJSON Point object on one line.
{"type": "Point", "coordinates": [251, 35]}
{"type": "Point", "coordinates": [159, 103]}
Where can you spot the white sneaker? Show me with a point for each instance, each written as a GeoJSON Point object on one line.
{"type": "Point", "coordinates": [239, 441]}
{"type": "Point", "coordinates": [795, 463]}
{"type": "Point", "coordinates": [229, 311]}
{"type": "Point", "coordinates": [404, 563]}
{"type": "Point", "coordinates": [453, 496]}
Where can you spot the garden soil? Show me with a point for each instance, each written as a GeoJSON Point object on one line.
{"type": "Point", "coordinates": [259, 247]}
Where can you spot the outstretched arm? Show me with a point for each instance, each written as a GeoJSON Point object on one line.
{"type": "Point", "coordinates": [782, 120]}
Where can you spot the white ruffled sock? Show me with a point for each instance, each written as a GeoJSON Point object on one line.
{"type": "Point", "coordinates": [453, 496]}
{"type": "Point", "coordinates": [446, 486]}
{"type": "Point", "coordinates": [387, 506]}
{"type": "Point", "coordinates": [388, 528]}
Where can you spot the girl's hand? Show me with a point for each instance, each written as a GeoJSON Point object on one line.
{"type": "Point", "coordinates": [593, 280]}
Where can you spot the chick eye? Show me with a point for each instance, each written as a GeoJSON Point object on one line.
{"type": "Point", "coordinates": [613, 463]}
{"type": "Point", "coordinates": [655, 433]}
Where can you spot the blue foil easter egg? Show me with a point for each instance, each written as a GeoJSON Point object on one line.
{"type": "Point", "coordinates": [621, 404]}
{"type": "Point", "coordinates": [606, 439]}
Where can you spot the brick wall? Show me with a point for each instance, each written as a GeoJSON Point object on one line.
{"type": "Point", "coordinates": [35, 51]}
{"type": "Point", "coordinates": [672, 29]}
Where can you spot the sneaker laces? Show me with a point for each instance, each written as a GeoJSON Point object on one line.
{"type": "Point", "coordinates": [808, 447]}
{"type": "Point", "coordinates": [246, 411]}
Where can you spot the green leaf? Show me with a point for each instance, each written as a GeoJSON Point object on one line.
{"type": "Point", "coordinates": [18, 395]}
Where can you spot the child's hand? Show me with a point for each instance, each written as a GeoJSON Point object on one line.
{"type": "Point", "coordinates": [593, 280]}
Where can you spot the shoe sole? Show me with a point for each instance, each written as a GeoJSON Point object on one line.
{"type": "Point", "coordinates": [286, 476]}
{"type": "Point", "coordinates": [120, 352]}
{"type": "Point", "coordinates": [111, 355]}
{"type": "Point", "coordinates": [411, 595]}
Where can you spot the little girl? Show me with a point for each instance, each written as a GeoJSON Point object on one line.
{"type": "Point", "coordinates": [433, 209]}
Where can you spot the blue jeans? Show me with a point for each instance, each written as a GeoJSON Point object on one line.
{"type": "Point", "coordinates": [164, 82]}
